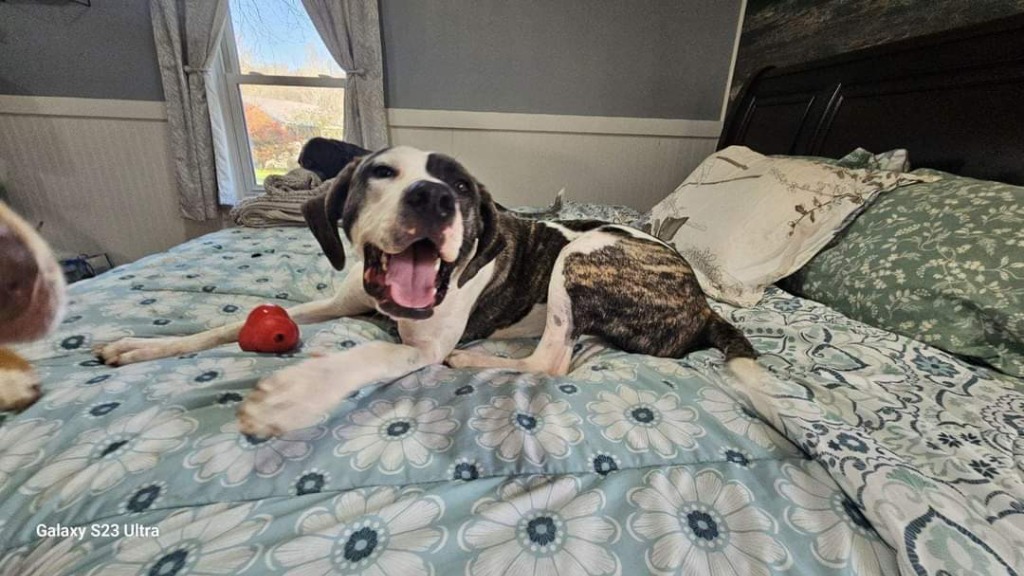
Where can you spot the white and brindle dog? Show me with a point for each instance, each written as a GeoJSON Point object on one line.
{"type": "Point", "coordinates": [450, 266]}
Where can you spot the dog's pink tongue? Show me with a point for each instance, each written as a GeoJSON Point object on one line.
{"type": "Point", "coordinates": [411, 276]}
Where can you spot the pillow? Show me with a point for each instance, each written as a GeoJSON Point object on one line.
{"type": "Point", "coordinates": [941, 262]}
{"type": "Point", "coordinates": [744, 220]}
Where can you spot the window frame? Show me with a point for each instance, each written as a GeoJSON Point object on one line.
{"type": "Point", "coordinates": [233, 80]}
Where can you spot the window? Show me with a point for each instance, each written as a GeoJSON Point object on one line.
{"type": "Point", "coordinates": [281, 84]}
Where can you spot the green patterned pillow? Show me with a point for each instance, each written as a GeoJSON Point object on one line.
{"type": "Point", "coordinates": [942, 262]}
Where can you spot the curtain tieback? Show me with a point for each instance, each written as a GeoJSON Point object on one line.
{"type": "Point", "coordinates": [356, 72]}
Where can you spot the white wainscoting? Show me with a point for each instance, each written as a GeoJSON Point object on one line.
{"type": "Point", "coordinates": [528, 158]}
{"type": "Point", "coordinates": [97, 173]}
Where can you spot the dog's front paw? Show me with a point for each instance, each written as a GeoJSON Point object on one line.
{"type": "Point", "coordinates": [19, 389]}
{"type": "Point", "coordinates": [132, 350]}
{"type": "Point", "coordinates": [290, 399]}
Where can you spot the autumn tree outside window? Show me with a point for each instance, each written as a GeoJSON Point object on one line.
{"type": "Point", "coordinates": [282, 87]}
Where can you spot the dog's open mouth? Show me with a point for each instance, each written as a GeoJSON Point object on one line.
{"type": "Point", "coordinates": [409, 283]}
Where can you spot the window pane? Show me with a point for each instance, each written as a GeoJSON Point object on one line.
{"type": "Point", "coordinates": [279, 120]}
{"type": "Point", "coordinates": [276, 37]}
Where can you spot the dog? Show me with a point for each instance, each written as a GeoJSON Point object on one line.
{"type": "Point", "coordinates": [31, 304]}
{"type": "Point", "coordinates": [448, 266]}
{"type": "Point", "coordinates": [326, 157]}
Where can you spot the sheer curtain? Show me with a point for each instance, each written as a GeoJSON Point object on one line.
{"type": "Point", "coordinates": [231, 183]}
{"type": "Point", "coordinates": [187, 33]}
{"type": "Point", "coordinates": [351, 31]}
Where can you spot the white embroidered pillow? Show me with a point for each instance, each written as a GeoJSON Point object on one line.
{"type": "Point", "coordinates": [744, 220]}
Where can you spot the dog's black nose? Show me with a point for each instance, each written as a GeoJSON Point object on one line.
{"type": "Point", "coordinates": [432, 199]}
{"type": "Point", "coordinates": [18, 274]}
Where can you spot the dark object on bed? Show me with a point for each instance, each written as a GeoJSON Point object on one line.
{"type": "Point", "coordinates": [84, 266]}
{"type": "Point", "coordinates": [952, 99]}
{"type": "Point", "coordinates": [326, 157]}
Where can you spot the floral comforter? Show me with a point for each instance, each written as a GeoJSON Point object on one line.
{"type": "Point", "coordinates": [867, 452]}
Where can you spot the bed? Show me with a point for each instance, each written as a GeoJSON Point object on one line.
{"type": "Point", "coordinates": [868, 452]}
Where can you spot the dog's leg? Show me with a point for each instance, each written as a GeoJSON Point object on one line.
{"type": "Point", "coordinates": [301, 395]}
{"type": "Point", "coordinates": [554, 353]}
{"type": "Point", "coordinates": [531, 326]}
{"type": "Point", "coordinates": [19, 384]}
{"type": "Point", "coordinates": [350, 300]}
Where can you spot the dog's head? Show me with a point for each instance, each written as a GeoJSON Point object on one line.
{"type": "Point", "coordinates": [416, 217]}
{"type": "Point", "coordinates": [31, 281]}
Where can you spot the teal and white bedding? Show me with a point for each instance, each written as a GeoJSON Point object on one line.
{"type": "Point", "coordinates": [867, 452]}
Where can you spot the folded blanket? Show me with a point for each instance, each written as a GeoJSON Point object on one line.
{"type": "Point", "coordinates": [562, 209]}
{"type": "Point", "coordinates": [540, 213]}
{"type": "Point", "coordinates": [281, 203]}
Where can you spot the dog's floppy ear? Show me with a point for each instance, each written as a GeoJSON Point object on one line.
{"type": "Point", "coordinates": [323, 212]}
{"type": "Point", "coordinates": [489, 242]}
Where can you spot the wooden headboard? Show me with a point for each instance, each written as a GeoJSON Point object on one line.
{"type": "Point", "coordinates": [955, 100]}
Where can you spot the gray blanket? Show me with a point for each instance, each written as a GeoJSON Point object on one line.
{"type": "Point", "coordinates": [281, 203]}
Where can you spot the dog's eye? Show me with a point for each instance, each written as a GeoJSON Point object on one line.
{"type": "Point", "coordinates": [462, 186]}
{"type": "Point", "coordinates": [382, 171]}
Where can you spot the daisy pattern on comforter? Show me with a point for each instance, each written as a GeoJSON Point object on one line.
{"type": "Point", "coordinates": [867, 453]}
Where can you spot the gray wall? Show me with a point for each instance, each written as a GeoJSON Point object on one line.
{"type": "Point", "coordinates": [59, 48]}
{"type": "Point", "coordinates": [634, 58]}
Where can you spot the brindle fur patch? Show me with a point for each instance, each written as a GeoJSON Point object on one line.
{"type": "Point", "coordinates": [522, 272]}
{"type": "Point", "coordinates": [642, 296]}
{"type": "Point", "coordinates": [638, 294]}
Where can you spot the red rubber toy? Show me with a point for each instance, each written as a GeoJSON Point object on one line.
{"type": "Point", "coordinates": [268, 329]}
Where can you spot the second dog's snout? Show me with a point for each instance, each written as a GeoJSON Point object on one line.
{"type": "Point", "coordinates": [18, 275]}
{"type": "Point", "coordinates": [430, 199]}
